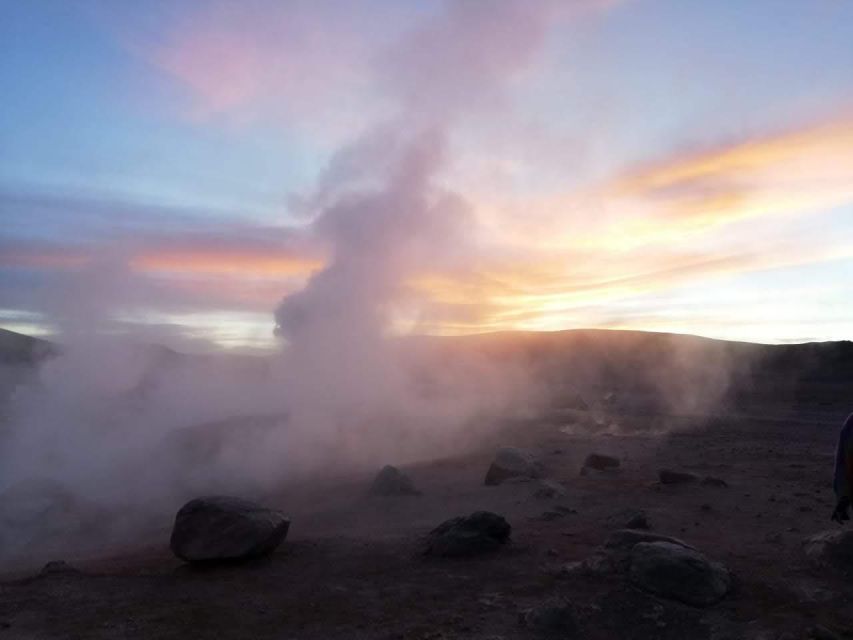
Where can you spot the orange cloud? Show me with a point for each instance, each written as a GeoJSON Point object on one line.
{"type": "Point", "coordinates": [251, 264]}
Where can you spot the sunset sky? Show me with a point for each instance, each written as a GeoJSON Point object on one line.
{"type": "Point", "coordinates": [667, 165]}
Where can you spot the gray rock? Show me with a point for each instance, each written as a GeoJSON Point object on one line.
{"type": "Point", "coordinates": [554, 619]}
{"type": "Point", "coordinates": [390, 481]}
{"type": "Point", "coordinates": [549, 490]}
{"type": "Point", "coordinates": [668, 476]}
{"type": "Point", "coordinates": [224, 528]}
{"type": "Point", "coordinates": [600, 462]}
{"type": "Point", "coordinates": [832, 549]}
{"type": "Point", "coordinates": [819, 632]}
{"type": "Point", "coordinates": [627, 538]}
{"type": "Point", "coordinates": [595, 565]}
{"type": "Point", "coordinates": [678, 573]}
{"type": "Point", "coordinates": [480, 532]}
{"type": "Point", "coordinates": [637, 520]}
{"type": "Point", "coordinates": [560, 511]}
{"type": "Point", "coordinates": [711, 481]}
{"type": "Point", "coordinates": [511, 462]}
{"type": "Point", "coordinates": [58, 567]}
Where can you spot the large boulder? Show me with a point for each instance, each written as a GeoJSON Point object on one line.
{"type": "Point", "coordinates": [511, 462]}
{"type": "Point", "coordinates": [220, 528]}
{"type": "Point", "coordinates": [676, 572]}
{"type": "Point", "coordinates": [390, 481]}
{"type": "Point", "coordinates": [480, 532]}
{"type": "Point", "coordinates": [832, 549]}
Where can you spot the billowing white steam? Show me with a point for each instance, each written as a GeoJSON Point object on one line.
{"type": "Point", "coordinates": [106, 420]}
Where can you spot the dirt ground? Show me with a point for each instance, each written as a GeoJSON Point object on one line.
{"type": "Point", "coordinates": [352, 568]}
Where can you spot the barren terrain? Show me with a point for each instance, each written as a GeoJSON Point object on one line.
{"type": "Point", "coordinates": [352, 565]}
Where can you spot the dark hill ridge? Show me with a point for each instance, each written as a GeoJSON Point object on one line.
{"type": "Point", "coordinates": [645, 368]}
{"type": "Point", "coordinates": [20, 349]}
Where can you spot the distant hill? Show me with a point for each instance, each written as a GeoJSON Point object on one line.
{"type": "Point", "coordinates": [637, 364]}
{"type": "Point", "coordinates": [20, 349]}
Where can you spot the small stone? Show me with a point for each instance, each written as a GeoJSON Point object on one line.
{"type": "Point", "coordinates": [639, 520]}
{"type": "Point", "coordinates": [668, 476]}
{"type": "Point", "coordinates": [627, 538]}
{"type": "Point", "coordinates": [601, 462]}
{"type": "Point", "coordinates": [549, 490]}
{"type": "Point", "coordinates": [819, 632]}
{"type": "Point", "coordinates": [554, 619]}
{"type": "Point", "coordinates": [58, 567]}
{"type": "Point", "coordinates": [511, 462]}
{"type": "Point", "coordinates": [832, 549]}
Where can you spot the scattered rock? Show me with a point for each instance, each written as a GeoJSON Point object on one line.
{"type": "Point", "coordinates": [480, 532]}
{"type": "Point", "coordinates": [390, 481]}
{"type": "Point", "coordinates": [554, 619]}
{"type": "Point", "coordinates": [225, 528]}
{"type": "Point", "coordinates": [832, 549]}
{"type": "Point", "coordinates": [668, 476]}
{"type": "Point", "coordinates": [596, 564]}
{"type": "Point", "coordinates": [819, 632]}
{"type": "Point", "coordinates": [600, 462]}
{"type": "Point", "coordinates": [711, 481]}
{"type": "Point", "coordinates": [550, 489]}
{"type": "Point", "coordinates": [58, 567]}
{"type": "Point", "coordinates": [556, 513]}
{"type": "Point", "coordinates": [627, 538]}
{"type": "Point", "coordinates": [511, 462]}
{"type": "Point", "coordinates": [678, 573]}
{"type": "Point", "coordinates": [638, 520]}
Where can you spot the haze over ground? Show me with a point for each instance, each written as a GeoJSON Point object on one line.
{"type": "Point", "coordinates": [173, 170]}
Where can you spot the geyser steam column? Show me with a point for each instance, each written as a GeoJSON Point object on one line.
{"type": "Point", "coordinates": [382, 212]}
{"type": "Point", "coordinates": [336, 327]}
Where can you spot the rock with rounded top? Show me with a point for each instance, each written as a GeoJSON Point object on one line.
{"type": "Point", "coordinates": [831, 549]}
{"type": "Point", "coordinates": [480, 532]}
{"type": "Point", "coordinates": [638, 519]}
{"type": "Point", "coordinates": [601, 462]}
{"type": "Point", "coordinates": [678, 573]}
{"type": "Point", "coordinates": [627, 538]}
{"type": "Point", "coordinates": [553, 619]}
{"type": "Point", "coordinates": [511, 462]}
{"type": "Point", "coordinates": [390, 481]}
{"type": "Point", "coordinates": [220, 528]}
{"type": "Point", "coordinates": [670, 476]}
{"type": "Point", "coordinates": [550, 489]}
{"type": "Point", "coordinates": [58, 568]}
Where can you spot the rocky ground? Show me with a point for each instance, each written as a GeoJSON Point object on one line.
{"type": "Point", "coordinates": [745, 483]}
{"type": "Point", "coordinates": [353, 563]}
